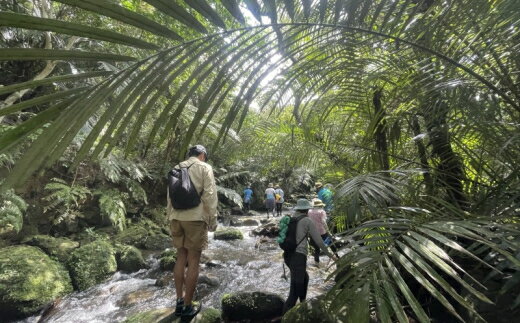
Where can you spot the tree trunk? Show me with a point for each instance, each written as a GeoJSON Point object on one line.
{"type": "Point", "coordinates": [380, 131]}
{"type": "Point", "coordinates": [450, 169]}
{"type": "Point", "coordinates": [421, 149]}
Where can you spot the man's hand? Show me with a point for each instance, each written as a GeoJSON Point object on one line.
{"type": "Point", "coordinates": [212, 225]}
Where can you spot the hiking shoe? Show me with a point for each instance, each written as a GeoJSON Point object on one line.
{"type": "Point", "coordinates": [178, 306]}
{"type": "Point", "coordinates": [191, 310]}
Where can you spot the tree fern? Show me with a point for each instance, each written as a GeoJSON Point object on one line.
{"type": "Point", "coordinates": [12, 211]}
{"type": "Point", "coordinates": [64, 200]}
{"type": "Point", "coordinates": [112, 206]}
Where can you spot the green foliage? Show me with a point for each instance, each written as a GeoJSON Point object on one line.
{"type": "Point", "coordinates": [231, 195]}
{"type": "Point", "coordinates": [64, 200]}
{"type": "Point", "coordinates": [12, 210]}
{"type": "Point", "coordinates": [112, 206]}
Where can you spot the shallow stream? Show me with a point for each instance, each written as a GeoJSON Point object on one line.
{"type": "Point", "coordinates": [252, 264]}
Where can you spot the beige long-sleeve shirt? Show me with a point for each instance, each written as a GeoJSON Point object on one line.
{"type": "Point", "coordinates": [201, 175]}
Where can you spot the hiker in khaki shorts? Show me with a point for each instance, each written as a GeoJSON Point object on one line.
{"type": "Point", "coordinates": [189, 229]}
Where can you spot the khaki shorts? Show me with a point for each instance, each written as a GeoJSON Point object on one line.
{"type": "Point", "coordinates": [189, 234]}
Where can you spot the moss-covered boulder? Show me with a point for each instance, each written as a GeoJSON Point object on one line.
{"type": "Point", "coordinates": [29, 279]}
{"type": "Point", "coordinates": [58, 248]}
{"type": "Point", "coordinates": [159, 241]}
{"type": "Point", "coordinates": [255, 306]}
{"type": "Point", "coordinates": [228, 234]}
{"type": "Point", "coordinates": [129, 259]}
{"type": "Point", "coordinates": [313, 310]}
{"type": "Point", "coordinates": [144, 235]}
{"type": "Point", "coordinates": [167, 259]}
{"type": "Point", "coordinates": [91, 264]}
{"type": "Point", "coordinates": [162, 315]}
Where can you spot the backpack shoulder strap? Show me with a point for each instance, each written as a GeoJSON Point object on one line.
{"type": "Point", "coordinates": [297, 221]}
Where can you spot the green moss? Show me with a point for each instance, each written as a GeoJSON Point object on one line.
{"type": "Point", "coordinates": [209, 315]}
{"type": "Point", "coordinates": [58, 248]}
{"type": "Point", "coordinates": [91, 264]}
{"type": "Point", "coordinates": [251, 306]}
{"type": "Point", "coordinates": [145, 235]}
{"type": "Point", "coordinates": [29, 279]}
{"type": "Point", "coordinates": [167, 259]}
{"type": "Point", "coordinates": [228, 234]}
{"type": "Point", "coordinates": [129, 259]}
{"type": "Point", "coordinates": [153, 316]}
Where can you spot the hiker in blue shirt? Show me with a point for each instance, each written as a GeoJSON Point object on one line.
{"type": "Point", "coordinates": [248, 195]}
{"type": "Point", "coordinates": [325, 195]}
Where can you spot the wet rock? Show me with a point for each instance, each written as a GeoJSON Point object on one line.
{"type": "Point", "coordinates": [209, 280]}
{"type": "Point", "coordinates": [237, 211]}
{"type": "Point", "coordinates": [162, 315]}
{"type": "Point", "coordinates": [91, 264]}
{"type": "Point", "coordinates": [208, 315]}
{"type": "Point", "coordinates": [129, 259]}
{"type": "Point", "coordinates": [167, 259]}
{"type": "Point", "coordinates": [158, 242]}
{"type": "Point", "coordinates": [244, 223]}
{"type": "Point", "coordinates": [254, 307]}
{"type": "Point", "coordinates": [57, 248]}
{"type": "Point", "coordinates": [270, 229]}
{"type": "Point", "coordinates": [228, 234]}
{"type": "Point", "coordinates": [137, 297]}
{"type": "Point", "coordinates": [313, 310]}
{"type": "Point", "coordinates": [164, 280]}
{"type": "Point", "coordinates": [29, 280]}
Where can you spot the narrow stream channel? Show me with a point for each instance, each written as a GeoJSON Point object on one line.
{"type": "Point", "coordinates": [252, 264]}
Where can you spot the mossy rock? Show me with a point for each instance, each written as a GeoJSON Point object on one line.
{"type": "Point", "coordinates": [228, 234]}
{"type": "Point", "coordinates": [162, 315]}
{"type": "Point", "coordinates": [58, 248]}
{"type": "Point", "coordinates": [313, 310]}
{"type": "Point", "coordinates": [254, 306]}
{"type": "Point", "coordinates": [29, 279]}
{"type": "Point", "coordinates": [167, 259]}
{"type": "Point", "coordinates": [144, 234]}
{"type": "Point", "coordinates": [208, 315]}
{"type": "Point", "coordinates": [91, 264]}
{"type": "Point", "coordinates": [158, 241]}
{"type": "Point", "coordinates": [129, 259]}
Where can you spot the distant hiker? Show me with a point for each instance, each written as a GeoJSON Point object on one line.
{"type": "Point", "coordinates": [294, 242]}
{"type": "Point", "coordinates": [269, 199]}
{"type": "Point", "coordinates": [278, 198]}
{"type": "Point", "coordinates": [189, 226]}
{"type": "Point", "coordinates": [248, 195]}
{"type": "Point", "coordinates": [325, 195]}
{"type": "Point", "coordinates": [319, 218]}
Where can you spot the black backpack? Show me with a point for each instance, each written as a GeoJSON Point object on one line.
{"type": "Point", "coordinates": [289, 244]}
{"type": "Point", "coordinates": [183, 193]}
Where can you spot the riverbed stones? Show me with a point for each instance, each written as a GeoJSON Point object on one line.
{"type": "Point", "coordinates": [208, 315]}
{"type": "Point", "coordinates": [91, 264]}
{"type": "Point", "coordinates": [167, 259]}
{"type": "Point", "coordinates": [129, 259]}
{"type": "Point", "coordinates": [29, 280]}
{"type": "Point", "coordinates": [310, 311]}
{"type": "Point", "coordinates": [57, 248]}
{"type": "Point", "coordinates": [254, 306]}
{"type": "Point", "coordinates": [228, 234]}
{"type": "Point", "coordinates": [158, 241]}
{"type": "Point", "coordinates": [269, 229]}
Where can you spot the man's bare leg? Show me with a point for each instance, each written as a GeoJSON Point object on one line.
{"type": "Point", "coordinates": [192, 275]}
{"type": "Point", "coordinates": [178, 271]}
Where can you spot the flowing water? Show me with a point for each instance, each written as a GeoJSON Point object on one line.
{"type": "Point", "coordinates": [252, 264]}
